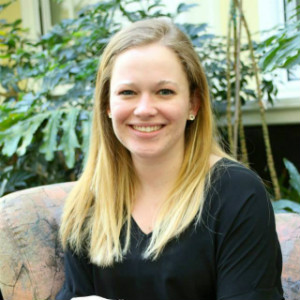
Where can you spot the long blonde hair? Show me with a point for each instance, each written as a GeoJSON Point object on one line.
{"type": "Point", "coordinates": [101, 202]}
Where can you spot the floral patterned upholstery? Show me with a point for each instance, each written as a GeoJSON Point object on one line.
{"type": "Point", "coordinates": [288, 230]}
{"type": "Point", "coordinates": [31, 259]}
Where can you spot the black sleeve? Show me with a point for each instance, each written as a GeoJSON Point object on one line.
{"type": "Point", "coordinates": [248, 256]}
{"type": "Point", "coordinates": [78, 277]}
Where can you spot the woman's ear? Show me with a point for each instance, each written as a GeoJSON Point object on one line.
{"type": "Point", "coordinates": [108, 113]}
{"type": "Point", "coordinates": [195, 102]}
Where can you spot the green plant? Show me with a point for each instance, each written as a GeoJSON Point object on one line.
{"type": "Point", "coordinates": [47, 88]}
{"type": "Point", "coordinates": [291, 202]}
{"type": "Point", "coordinates": [282, 48]}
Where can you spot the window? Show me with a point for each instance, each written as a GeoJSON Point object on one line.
{"type": "Point", "coordinates": [40, 15]}
{"type": "Point", "coordinates": [289, 15]}
{"type": "Point", "coordinates": [279, 12]}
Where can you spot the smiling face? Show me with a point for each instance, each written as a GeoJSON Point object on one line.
{"type": "Point", "coordinates": [150, 101]}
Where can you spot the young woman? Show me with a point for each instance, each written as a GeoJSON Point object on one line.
{"type": "Point", "coordinates": [160, 211]}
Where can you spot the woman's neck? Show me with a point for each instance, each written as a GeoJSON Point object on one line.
{"type": "Point", "coordinates": [157, 176]}
{"type": "Point", "coordinates": [156, 179]}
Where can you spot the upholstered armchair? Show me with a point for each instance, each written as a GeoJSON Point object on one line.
{"type": "Point", "coordinates": [31, 259]}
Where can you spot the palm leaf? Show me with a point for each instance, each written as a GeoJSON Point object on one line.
{"type": "Point", "coordinates": [50, 132]}
{"type": "Point", "coordinates": [69, 140]}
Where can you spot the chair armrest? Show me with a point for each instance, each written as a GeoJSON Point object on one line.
{"type": "Point", "coordinates": [31, 259]}
{"type": "Point", "coordinates": [288, 230]}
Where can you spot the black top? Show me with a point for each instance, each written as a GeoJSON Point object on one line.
{"type": "Point", "coordinates": [232, 254]}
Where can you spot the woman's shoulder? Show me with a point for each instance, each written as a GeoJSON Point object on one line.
{"type": "Point", "coordinates": [232, 174]}
{"type": "Point", "coordinates": [234, 188]}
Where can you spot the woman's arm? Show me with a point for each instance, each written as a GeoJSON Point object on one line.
{"type": "Point", "coordinates": [78, 277]}
{"type": "Point", "coordinates": [248, 252]}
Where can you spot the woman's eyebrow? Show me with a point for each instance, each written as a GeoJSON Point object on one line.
{"type": "Point", "coordinates": [129, 83]}
{"type": "Point", "coordinates": [162, 82]}
{"type": "Point", "coordinates": [159, 83]}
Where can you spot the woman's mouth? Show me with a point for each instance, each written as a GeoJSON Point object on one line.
{"type": "Point", "coordinates": [147, 128]}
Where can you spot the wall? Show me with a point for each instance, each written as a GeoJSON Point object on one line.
{"type": "Point", "coordinates": [11, 13]}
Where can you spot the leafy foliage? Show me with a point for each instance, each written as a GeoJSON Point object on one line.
{"type": "Point", "coordinates": [285, 205]}
{"type": "Point", "coordinates": [46, 95]}
{"type": "Point", "coordinates": [282, 49]}
{"type": "Point", "coordinates": [47, 87]}
{"type": "Point", "coordinates": [294, 175]}
{"type": "Point", "coordinates": [293, 193]}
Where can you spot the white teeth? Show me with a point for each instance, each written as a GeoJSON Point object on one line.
{"type": "Point", "coordinates": [147, 128]}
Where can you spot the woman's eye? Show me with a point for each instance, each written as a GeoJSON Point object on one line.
{"type": "Point", "coordinates": [126, 93]}
{"type": "Point", "coordinates": [166, 92]}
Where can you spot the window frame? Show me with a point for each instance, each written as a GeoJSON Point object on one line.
{"type": "Point", "coordinates": [287, 89]}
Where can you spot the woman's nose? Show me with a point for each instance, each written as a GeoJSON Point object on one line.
{"type": "Point", "coordinates": [145, 106]}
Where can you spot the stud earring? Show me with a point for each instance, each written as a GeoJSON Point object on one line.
{"type": "Point", "coordinates": [191, 117]}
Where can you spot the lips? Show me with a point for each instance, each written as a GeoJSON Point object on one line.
{"type": "Point", "coordinates": [147, 128]}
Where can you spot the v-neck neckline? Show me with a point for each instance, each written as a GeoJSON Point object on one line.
{"type": "Point", "coordinates": [147, 235]}
{"type": "Point", "coordinates": [139, 228]}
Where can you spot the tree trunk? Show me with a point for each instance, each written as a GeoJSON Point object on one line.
{"type": "Point", "coordinates": [265, 130]}
{"type": "Point", "coordinates": [244, 152]}
{"type": "Point", "coordinates": [228, 108]}
{"type": "Point", "coordinates": [237, 88]}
